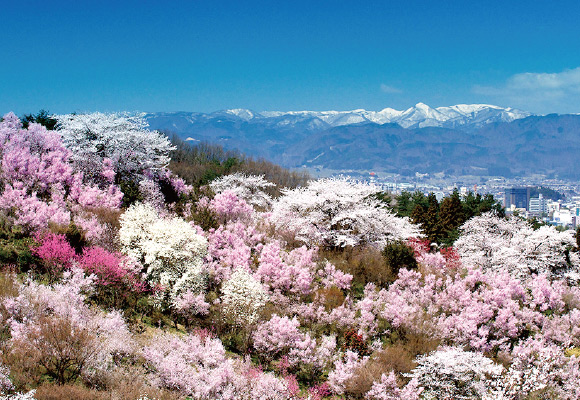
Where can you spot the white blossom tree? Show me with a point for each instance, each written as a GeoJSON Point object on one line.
{"type": "Point", "coordinates": [122, 138]}
{"type": "Point", "coordinates": [170, 249]}
{"type": "Point", "coordinates": [451, 373]}
{"type": "Point", "coordinates": [243, 297]}
{"type": "Point", "coordinates": [339, 212]}
{"type": "Point", "coordinates": [250, 188]}
{"type": "Point", "coordinates": [492, 243]}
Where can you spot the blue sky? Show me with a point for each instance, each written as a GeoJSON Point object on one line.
{"type": "Point", "coordinates": [68, 56]}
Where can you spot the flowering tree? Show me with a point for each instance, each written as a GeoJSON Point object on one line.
{"type": "Point", "coordinates": [538, 366]}
{"type": "Point", "coordinates": [198, 367]}
{"type": "Point", "coordinates": [453, 373]}
{"type": "Point", "coordinates": [344, 369]}
{"type": "Point", "coordinates": [230, 246]}
{"type": "Point", "coordinates": [227, 206]}
{"type": "Point", "coordinates": [338, 212]}
{"type": "Point", "coordinates": [288, 273]}
{"type": "Point", "coordinates": [277, 336]}
{"type": "Point", "coordinates": [243, 297]}
{"type": "Point", "coordinates": [250, 188]}
{"type": "Point", "coordinates": [281, 336]}
{"type": "Point", "coordinates": [56, 253]}
{"type": "Point", "coordinates": [388, 389]}
{"type": "Point", "coordinates": [491, 243]}
{"type": "Point", "coordinates": [170, 249]}
{"type": "Point", "coordinates": [5, 383]}
{"type": "Point", "coordinates": [53, 327]}
{"type": "Point", "coordinates": [123, 138]}
{"type": "Point", "coordinates": [40, 186]}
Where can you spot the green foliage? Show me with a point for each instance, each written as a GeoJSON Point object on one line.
{"type": "Point", "coordinates": [536, 223]}
{"type": "Point", "coordinates": [42, 118]}
{"type": "Point", "coordinates": [404, 205]}
{"type": "Point", "coordinates": [386, 198]}
{"type": "Point", "coordinates": [130, 191]}
{"type": "Point", "coordinates": [451, 216]}
{"type": "Point", "coordinates": [235, 341]}
{"type": "Point", "coordinates": [475, 204]}
{"type": "Point", "coordinates": [15, 246]}
{"type": "Point", "coordinates": [17, 252]}
{"type": "Point", "coordinates": [546, 192]}
{"type": "Point", "coordinates": [398, 255]}
{"type": "Point", "coordinates": [426, 214]}
{"type": "Point", "coordinates": [441, 221]}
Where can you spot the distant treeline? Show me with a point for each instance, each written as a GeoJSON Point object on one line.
{"type": "Point", "coordinates": [546, 192]}
{"type": "Point", "coordinates": [200, 163]}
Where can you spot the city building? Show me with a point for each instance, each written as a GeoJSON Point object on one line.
{"type": "Point", "coordinates": [519, 197]}
{"type": "Point", "coordinates": [538, 205]}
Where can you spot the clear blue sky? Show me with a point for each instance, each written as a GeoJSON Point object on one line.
{"type": "Point", "coordinates": [83, 55]}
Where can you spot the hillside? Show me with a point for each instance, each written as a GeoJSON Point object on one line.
{"type": "Point", "coordinates": [119, 280]}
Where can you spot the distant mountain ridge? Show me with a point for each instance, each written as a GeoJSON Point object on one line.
{"type": "Point", "coordinates": [463, 139]}
{"type": "Point", "coordinates": [418, 116]}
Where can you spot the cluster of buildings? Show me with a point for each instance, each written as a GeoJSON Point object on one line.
{"type": "Point", "coordinates": [559, 213]}
{"type": "Point", "coordinates": [514, 192]}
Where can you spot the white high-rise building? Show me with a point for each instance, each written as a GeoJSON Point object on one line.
{"type": "Point", "coordinates": [538, 205]}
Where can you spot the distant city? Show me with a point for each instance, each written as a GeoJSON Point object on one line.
{"type": "Point", "coordinates": [515, 194]}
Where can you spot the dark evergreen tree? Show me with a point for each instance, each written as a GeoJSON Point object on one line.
{"type": "Point", "coordinates": [398, 255]}
{"type": "Point", "coordinates": [404, 205]}
{"type": "Point", "coordinates": [451, 217]}
{"type": "Point", "coordinates": [42, 118]}
{"type": "Point", "coordinates": [431, 226]}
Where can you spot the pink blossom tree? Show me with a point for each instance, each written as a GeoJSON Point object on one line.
{"type": "Point", "coordinates": [40, 185]}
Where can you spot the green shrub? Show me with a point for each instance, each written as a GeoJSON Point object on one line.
{"type": "Point", "coordinates": [398, 255]}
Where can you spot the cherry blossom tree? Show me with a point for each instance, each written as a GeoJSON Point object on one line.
{"type": "Point", "coordinates": [539, 366]}
{"type": "Point", "coordinates": [250, 188]}
{"type": "Point", "coordinates": [134, 150]}
{"type": "Point", "coordinates": [339, 212]}
{"type": "Point", "coordinates": [344, 369]}
{"type": "Point", "coordinates": [388, 389]}
{"type": "Point", "coordinates": [492, 243]}
{"type": "Point", "coordinates": [55, 328]}
{"type": "Point", "coordinates": [243, 297]}
{"type": "Point", "coordinates": [230, 246]}
{"type": "Point", "coordinates": [39, 184]}
{"type": "Point", "coordinates": [170, 249]}
{"type": "Point", "coordinates": [5, 383]}
{"type": "Point", "coordinates": [227, 206]}
{"type": "Point", "coordinates": [198, 367]}
{"type": "Point", "coordinates": [451, 372]}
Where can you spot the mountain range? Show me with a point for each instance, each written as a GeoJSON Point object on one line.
{"type": "Point", "coordinates": [463, 139]}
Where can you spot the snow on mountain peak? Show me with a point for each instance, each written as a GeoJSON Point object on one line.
{"type": "Point", "coordinates": [241, 113]}
{"type": "Point", "coordinates": [420, 115]}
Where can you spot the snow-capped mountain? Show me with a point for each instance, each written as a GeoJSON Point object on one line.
{"type": "Point", "coordinates": [466, 116]}
{"type": "Point", "coordinates": [458, 139]}
{"type": "Point", "coordinates": [418, 116]}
